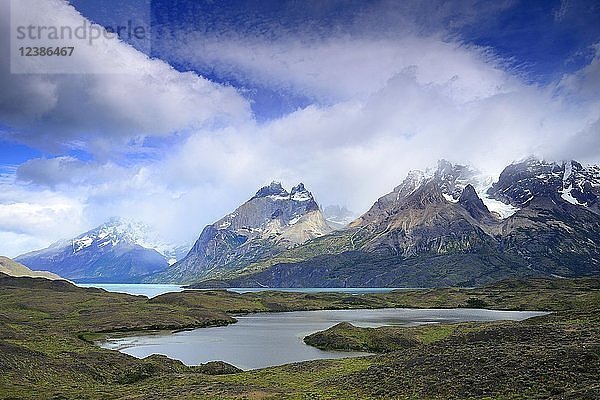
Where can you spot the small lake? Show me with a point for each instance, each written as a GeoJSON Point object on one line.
{"type": "Point", "coordinates": [153, 290]}
{"type": "Point", "coordinates": [143, 289]}
{"type": "Point", "coordinates": [268, 339]}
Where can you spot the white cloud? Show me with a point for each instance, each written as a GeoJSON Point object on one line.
{"type": "Point", "coordinates": [15, 244]}
{"type": "Point", "coordinates": [104, 111]}
{"type": "Point", "coordinates": [585, 83]}
{"type": "Point", "coordinates": [336, 69]}
{"type": "Point", "coordinates": [30, 218]}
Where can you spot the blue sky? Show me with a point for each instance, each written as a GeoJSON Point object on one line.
{"type": "Point", "coordinates": [225, 96]}
{"type": "Point", "coordinates": [540, 40]}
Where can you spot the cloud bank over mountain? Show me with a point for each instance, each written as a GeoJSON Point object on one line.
{"type": "Point", "coordinates": [388, 91]}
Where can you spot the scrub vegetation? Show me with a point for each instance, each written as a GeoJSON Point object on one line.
{"type": "Point", "coordinates": [48, 329]}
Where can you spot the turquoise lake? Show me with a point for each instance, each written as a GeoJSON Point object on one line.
{"type": "Point", "coordinates": [152, 290]}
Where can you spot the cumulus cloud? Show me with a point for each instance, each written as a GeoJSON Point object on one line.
{"type": "Point", "coordinates": [30, 218]}
{"type": "Point", "coordinates": [101, 112]}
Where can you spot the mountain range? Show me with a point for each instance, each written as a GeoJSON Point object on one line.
{"type": "Point", "coordinates": [444, 227]}
{"type": "Point", "coordinates": [120, 251]}
{"type": "Point", "coordinates": [451, 225]}
{"type": "Point", "coordinates": [338, 216]}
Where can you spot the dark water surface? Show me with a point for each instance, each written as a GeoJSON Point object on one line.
{"type": "Point", "coordinates": [267, 339]}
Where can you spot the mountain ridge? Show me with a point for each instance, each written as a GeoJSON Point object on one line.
{"type": "Point", "coordinates": [270, 221]}
{"type": "Point", "coordinates": [120, 250]}
{"type": "Point", "coordinates": [435, 229]}
{"type": "Point", "coordinates": [13, 268]}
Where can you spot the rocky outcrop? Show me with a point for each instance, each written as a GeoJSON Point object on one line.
{"type": "Point", "coordinates": [269, 222]}
{"type": "Point", "coordinates": [471, 202]}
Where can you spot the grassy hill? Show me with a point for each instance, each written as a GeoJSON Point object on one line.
{"type": "Point", "coordinates": [13, 268]}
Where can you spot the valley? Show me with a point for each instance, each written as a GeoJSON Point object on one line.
{"type": "Point", "coordinates": [454, 240]}
{"type": "Point", "coordinates": [48, 330]}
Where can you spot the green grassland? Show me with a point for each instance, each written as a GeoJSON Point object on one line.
{"type": "Point", "coordinates": [47, 351]}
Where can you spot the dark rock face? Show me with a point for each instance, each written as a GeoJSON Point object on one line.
{"type": "Point", "coordinates": [426, 233]}
{"type": "Point", "coordinates": [522, 182]}
{"type": "Point", "coordinates": [452, 178]}
{"type": "Point", "coordinates": [271, 221]}
{"type": "Point", "coordinates": [444, 184]}
{"type": "Point", "coordinates": [274, 189]}
{"type": "Point", "coordinates": [582, 185]}
{"type": "Point", "coordinates": [473, 204]}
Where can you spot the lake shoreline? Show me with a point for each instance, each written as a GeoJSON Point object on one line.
{"type": "Point", "coordinates": [152, 289]}
{"type": "Point", "coordinates": [44, 323]}
{"type": "Point", "coordinates": [270, 339]}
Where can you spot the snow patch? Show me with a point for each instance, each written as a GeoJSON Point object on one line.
{"type": "Point", "coordinates": [568, 171]}
{"type": "Point", "coordinates": [277, 197]}
{"type": "Point", "coordinates": [224, 224]}
{"type": "Point", "coordinates": [498, 207]}
{"type": "Point", "coordinates": [449, 198]}
{"type": "Point", "coordinates": [566, 195]}
{"type": "Point", "coordinates": [294, 220]}
{"type": "Point", "coordinates": [81, 243]}
{"type": "Point", "coordinates": [301, 196]}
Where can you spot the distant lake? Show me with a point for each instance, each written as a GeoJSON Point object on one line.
{"type": "Point", "coordinates": [152, 290]}
{"type": "Point", "coordinates": [148, 290]}
{"type": "Point", "coordinates": [268, 339]}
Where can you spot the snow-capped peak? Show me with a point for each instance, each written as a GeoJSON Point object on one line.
{"type": "Point", "coordinates": [128, 232]}
{"type": "Point", "coordinates": [273, 190]}
{"type": "Point", "coordinates": [580, 184]}
{"type": "Point", "coordinates": [452, 180]}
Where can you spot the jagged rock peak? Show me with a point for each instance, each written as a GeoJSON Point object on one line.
{"type": "Point", "coordinates": [468, 195]}
{"type": "Point", "coordinates": [452, 172]}
{"type": "Point", "coordinates": [533, 178]}
{"type": "Point", "coordinates": [274, 189]}
{"type": "Point", "coordinates": [300, 193]}
{"type": "Point", "coordinates": [533, 162]}
{"type": "Point", "coordinates": [471, 202]}
{"type": "Point", "coordinates": [413, 180]}
{"type": "Point", "coordinates": [452, 179]}
{"type": "Point", "coordinates": [522, 181]}
{"type": "Point", "coordinates": [581, 185]}
{"type": "Point", "coordinates": [444, 167]}
{"type": "Point", "coordinates": [298, 189]}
